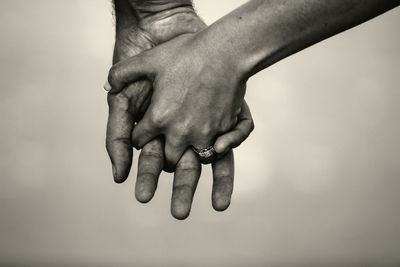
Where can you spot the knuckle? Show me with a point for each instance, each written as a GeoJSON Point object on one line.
{"type": "Point", "coordinates": [179, 131]}
{"type": "Point", "coordinates": [119, 102]}
{"type": "Point", "coordinates": [173, 142]}
{"type": "Point", "coordinates": [183, 188]}
{"type": "Point", "coordinates": [112, 141]}
{"type": "Point", "coordinates": [157, 118]}
{"type": "Point", "coordinates": [152, 154]}
{"type": "Point", "coordinates": [238, 111]}
{"type": "Point", "coordinates": [113, 75]}
{"type": "Point", "coordinates": [227, 124]}
{"type": "Point", "coordinates": [187, 166]}
{"type": "Point", "coordinates": [154, 146]}
{"type": "Point", "coordinates": [184, 128]}
{"type": "Point", "coordinates": [223, 176]}
{"type": "Point", "coordinates": [206, 130]}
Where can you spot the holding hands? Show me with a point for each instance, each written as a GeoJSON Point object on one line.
{"type": "Point", "coordinates": [176, 90]}
{"type": "Point", "coordinates": [193, 100]}
{"type": "Point", "coordinates": [139, 32]}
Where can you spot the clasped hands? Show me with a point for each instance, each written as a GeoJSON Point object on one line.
{"type": "Point", "coordinates": [173, 89]}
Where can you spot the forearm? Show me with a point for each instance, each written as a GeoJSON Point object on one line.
{"type": "Point", "coordinates": [262, 32]}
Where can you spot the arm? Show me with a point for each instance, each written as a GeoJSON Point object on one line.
{"type": "Point", "coordinates": [202, 76]}
{"type": "Point", "coordinates": [262, 32]}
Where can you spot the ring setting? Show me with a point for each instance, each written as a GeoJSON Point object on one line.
{"type": "Point", "coordinates": [207, 155]}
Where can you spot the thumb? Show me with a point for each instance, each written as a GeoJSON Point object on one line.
{"type": "Point", "coordinates": [127, 71]}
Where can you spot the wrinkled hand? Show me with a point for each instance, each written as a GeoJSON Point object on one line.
{"type": "Point", "coordinates": [127, 106]}
{"type": "Point", "coordinates": [197, 96]}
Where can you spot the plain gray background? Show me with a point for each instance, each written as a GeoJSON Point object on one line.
{"type": "Point", "coordinates": [317, 183]}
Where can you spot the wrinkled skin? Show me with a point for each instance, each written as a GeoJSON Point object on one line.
{"type": "Point", "coordinates": [192, 104]}
{"type": "Point", "coordinates": [139, 34]}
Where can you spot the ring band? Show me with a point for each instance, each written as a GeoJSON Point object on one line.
{"type": "Point", "coordinates": [207, 155]}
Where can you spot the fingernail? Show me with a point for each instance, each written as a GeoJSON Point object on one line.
{"type": "Point", "coordinates": [107, 87]}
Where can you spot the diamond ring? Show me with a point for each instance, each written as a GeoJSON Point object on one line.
{"type": "Point", "coordinates": [207, 155]}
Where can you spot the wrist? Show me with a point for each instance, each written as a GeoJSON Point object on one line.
{"type": "Point", "coordinates": [222, 44]}
{"type": "Point", "coordinates": [145, 8]}
{"type": "Point", "coordinates": [168, 24]}
{"type": "Point", "coordinates": [154, 29]}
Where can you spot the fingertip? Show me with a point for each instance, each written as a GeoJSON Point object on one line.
{"type": "Point", "coordinates": [221, 203]}
{"type": "Point", "coordinates": [118, 144]}
{"type": "Point", "coordinates": [113, 81]}
{"type": "Point", "coordinates": [114, 170]}
{"type": "Point", "coordinates": [143, 195]}
{"type": "Point", "coordinates": [107, 86]}
{"type": "Point", "coordinates": [180, 211]}
{"type": "Point", "coordinates": [181, 202]}
{"type": "Point", "coordinates": [120, 172]}
{"type": "Point", "coordinates": [145, 187]}
{"type": "Point", "coordinates": [117, 179]}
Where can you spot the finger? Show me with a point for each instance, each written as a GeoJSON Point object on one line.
{"type": "Point", "coordinates": [118, 137]}
{"type": "Point", "coordinates": [128, 71]}
{"type": "Point", "coordinates": [174, 148]}
{"type": "Point", "coordinates": [186, 177]}
{"type": "Point", "coordinates": [240, 133]}
{"type": "Point", "coordinates": [223, 176]}
{"type": "Point", "coordinates": [150, 164]}
{"type": "Point", "coordinates": [144, 132]}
